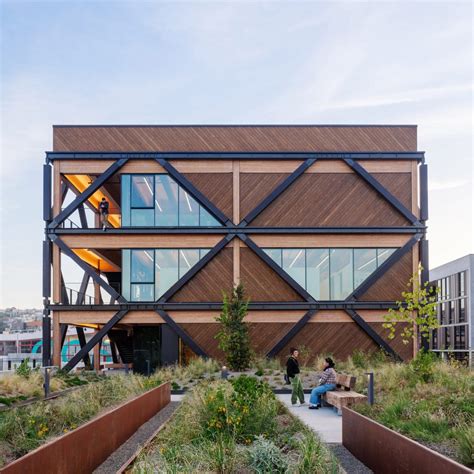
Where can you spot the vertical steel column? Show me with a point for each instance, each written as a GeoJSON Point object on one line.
{"type": "Point", "coordinates": [424, 246]}
{"type": "Point", "coordinates": [47, 215]}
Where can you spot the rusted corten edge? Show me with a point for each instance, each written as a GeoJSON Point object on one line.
{"type": "Point", "coordinates": [87, 447]}
{"type": "Point", "coordinates": [384, 450]}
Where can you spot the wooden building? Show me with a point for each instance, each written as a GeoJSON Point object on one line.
{"type": "Point", "coordinates": [324, 226]}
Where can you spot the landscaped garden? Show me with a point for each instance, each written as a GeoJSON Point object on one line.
{"type": "Point", "coordinates": [235, 426]}
{"type": "Point", "coordinates": [24, 428]}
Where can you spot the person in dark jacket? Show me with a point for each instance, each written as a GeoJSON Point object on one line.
{"type": "Point", "coordinates": [293, 373]}
{"type": "Point", "coordinates": [104, 213]}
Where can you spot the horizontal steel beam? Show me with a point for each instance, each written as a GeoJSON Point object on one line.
{"type": "Point", "coordinates": [138, 155]}
{"type": "Point", "coordinates": [243, 230]}
{"type": "Point", "coordinates": [213, 306]}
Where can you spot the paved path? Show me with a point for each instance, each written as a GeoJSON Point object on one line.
{"type": "Point", "coordinates": [325, 421]}
{"type": "Point", "coordinates": [328, 425]}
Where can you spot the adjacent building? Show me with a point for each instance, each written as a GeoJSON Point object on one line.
{"type": "Point", "coordinates": [323, 225]}
{"type": "Point", "coordinates": [455, 335]}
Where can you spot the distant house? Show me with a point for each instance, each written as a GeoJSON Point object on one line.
{"type": "Point", "coordinates": [455, 336]}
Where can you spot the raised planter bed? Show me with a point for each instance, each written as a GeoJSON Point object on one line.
{"type": "Point", "coordinates": [384, 450]}
{"type": "Point", "coordinates": [83, 449]}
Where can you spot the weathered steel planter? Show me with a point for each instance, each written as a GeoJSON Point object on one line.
{"type": "Point", "coordinates": [83, 449]}
{"type": "Point", "coordinates": [386, 451]}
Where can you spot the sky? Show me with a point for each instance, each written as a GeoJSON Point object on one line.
{"type": "Point", "coordinates": [231, 62]}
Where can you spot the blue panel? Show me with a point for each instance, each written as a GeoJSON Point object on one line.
{"type": "Point", "coordinates": [125, 205]}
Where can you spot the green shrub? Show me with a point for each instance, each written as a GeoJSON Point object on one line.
{"type": "Point", "coordinates": [265, 457]}
{"type": "Point", "coordinates": [259, 373]}
{"type": "Point", "coordinates": [465, 438]}
{"type": "Point", "coordinates": [24, 370]}
{"type": "Point", "coordinates": [233, 335]}
{"type": "Point", "coordinates": [423, 365]}
{"type": "Point", "coordinates": [360, 360]}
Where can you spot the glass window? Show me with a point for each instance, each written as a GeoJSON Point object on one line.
{"type": "Point", "coordinates": [451, 312]}
{"type": "Point", "coordinates": [187, 259]}
{"type": "Point", "coordinates": [275, 254]}
{"type": "Point", "coordinates": [188, 209]}
{"type": "Point", "coordinates": [142, 266]}
{"type": "Point", "coordinates": [142, 217]}
{"type": "Point", "coordinates": [434, 339]}
{"type": "Point", "coordinates": [142, 191]}
{"type": "Point", "coordinates": [317, 273]}
{"type": "Point", "coordinates": [462, 310]}
{"type": "Point", "coordinates": [383, 254]}
{"type": "Point", "coordinates": [460, 337]}
{"type": "Point", "coordinates": [447, 338]}
{"type": "Point", "coordinates": [141, 292]}
{"type": "Point", "coordinates": [448, 287]}
{"type": "Point", "coordinates": [294, 264]}
{"type": "Point", "coordinates": [462, 283]}
{"type": "Point", "coordinates": [166, 201]}
{"type": "Point", "coordinates": [365, 263]}
{"type": "Point", "coordinates": [205, 219]}
{"type": "Point", "coordinates": [203, 252]}
{"type": "Point", "coordinates": [166, 270]}
{"type": "Point", "coordinates": [126, 274]}
{"type": "Point", "coordinates": [125, 205]}
{"type": "Point", "coordinates": [342, 283]}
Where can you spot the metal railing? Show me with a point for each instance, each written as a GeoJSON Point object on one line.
{"type": "Point", "coordinates": [77, 297]}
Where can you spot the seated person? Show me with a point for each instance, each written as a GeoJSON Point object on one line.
{"type": "Point", "coordinates": [327, 382]}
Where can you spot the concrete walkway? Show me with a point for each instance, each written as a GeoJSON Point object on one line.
{"type": "Point", "coordinates": [325, 421]}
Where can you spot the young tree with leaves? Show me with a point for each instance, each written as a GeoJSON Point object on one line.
{"type": "Point", "coordinates": [418, 310]}
{"type": "Point", "coordinates": [233, 335]}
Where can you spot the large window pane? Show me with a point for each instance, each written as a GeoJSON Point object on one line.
{"type": "Point", "coordinates": [142, 218]}
{"type": "Point", "coordinates": [294, 264]}
{"type": "Point", "coordinates": [341, 273]}
{"type": "Point", "coordinates": [126, 274]}
{"type": "Point", "coordinates": [142, 191]}
{"type": "Point", "coordinates": [383, 254]}
{"type": "Point", "coordinates": [365, 263]}
{"type": "Point", "coordinates": [166, 270]}
{"type": "Point", "coordinates": [187, 259]}
{"type": "Point", "coordinates": [142, 266]}
{"type": "Point", "coordinates": [166, 201]}
{"type": "Point", "coordinates": [142, 292]}
{"type": "Point", "coordinates": [125, 196]}
{"type": "Point", "coordinates": [317, 273]}
{"type": "Point", "coordinates": [188, 209]}
{"type": "Point", "coordinates": [206, 219]}
{"type": "Point", "coordinates": [275, 254]}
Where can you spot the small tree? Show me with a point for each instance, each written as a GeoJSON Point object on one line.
{"type": "Point", "coordinates": [417, 310]}
{"type": "Point", "coordinates": [233, 336]}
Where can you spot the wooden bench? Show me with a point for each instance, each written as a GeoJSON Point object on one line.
{"type": "Point", "coordinates": [344, 395]}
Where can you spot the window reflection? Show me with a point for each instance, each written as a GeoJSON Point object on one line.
{"type": "Point", "coordinates": [148, 274]}
{"type": "Point", "coordinates": [158, 201]}
{"type": "Point", "coordinates": [294, 263]}
{"type": "Point", "coordinates": [329, 274]}
{"type": "Point", "coordinates": [317, 261]}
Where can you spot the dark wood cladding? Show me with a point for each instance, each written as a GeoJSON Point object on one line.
{"type": "Point", "coordinates": [208, 284]}
{"type": "Point", "coordinates": [306, 138]}
{"type": "Point", "coordinates": [217, 187]}
{"type": "Point", "coordinates": [330, 199]}
{"type": "Point", "coordinates": [341, 340]}
{"type": "Point", "coordinates": [261, 282]}
{"type": "Point", "coordinates": [255, 187]}
{"type": "Point", "coordinates": [398, 184]}
{"type": "Point", "coordinates": [263, 336]}
{"type": "Point", "coordinates": [389, 286]}
{"type": "Point", "coordinates": [205, 336]}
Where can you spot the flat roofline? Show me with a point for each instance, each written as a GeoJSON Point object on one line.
{"type": "Point", "coordinates": [236, 125]}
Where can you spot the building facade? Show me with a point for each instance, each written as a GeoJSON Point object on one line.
{"type": "Point", "coordinates": [323, 225]}
{"type": "Point", "coordinates": [455, 335]}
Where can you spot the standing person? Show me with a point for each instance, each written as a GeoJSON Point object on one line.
{"type": "Point", "coordinates": [104, 213]}
{"type": "Point", "coordinates": [327, 382]}
{"type": "Point", "coordinates": [293, 373]}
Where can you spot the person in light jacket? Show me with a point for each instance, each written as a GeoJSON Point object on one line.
{"type": "Point", "coordinates": [327, 382]}
{"type": "Point", "coordinates": [293, 373]}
